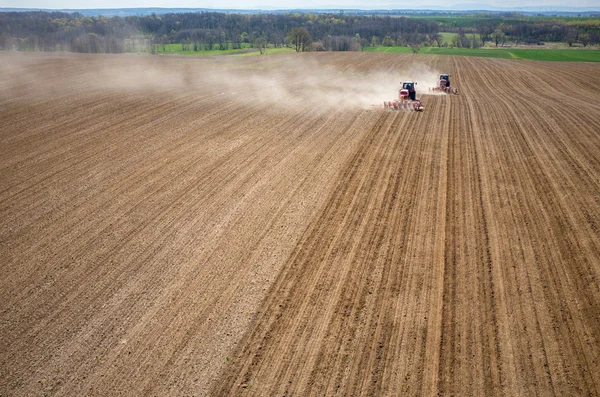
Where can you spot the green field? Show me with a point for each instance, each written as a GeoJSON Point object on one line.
{"type": "Point", "coordinates": [508, 53]}
{"type": "Point", "coordinates": [473, 21]}
{"type": "Point", "coordinates": [270, 51]}
{"type": "Point", "coordinates": [573, 55]}
{"type": "Point", "coordinates": [448, 36]}
{"type": "Point", "coordinates": [175, 49]}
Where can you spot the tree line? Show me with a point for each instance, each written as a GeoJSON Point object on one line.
{"type": "Point", "coordinates": [58, 31]}
{"type": "Point", "coordinates": [51, 31]}
{"type": "Point", "coordinates": [516, 28]}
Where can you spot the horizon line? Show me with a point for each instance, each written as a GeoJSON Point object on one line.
{"type": "Point", "coordinates": [267, 8]}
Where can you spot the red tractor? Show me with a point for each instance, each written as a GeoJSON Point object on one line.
{"type": "Point", "coordinates": [444, 85]}
{"type": "Point", "coordinates": [407, 99]}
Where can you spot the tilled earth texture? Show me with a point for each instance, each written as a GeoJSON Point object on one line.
{"type": "Point", "coordinates": [254, 226]}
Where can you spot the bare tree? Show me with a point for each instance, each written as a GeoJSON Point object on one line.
{"type": "Point", "coordinates": [499, 37]}
{"type": "Point", "coordinates": [484, 33]}
{"type": "Point", "coordinates": [299, 38]}
{"type": "Point", "coordinates": [357, 42]}
{"type": "Point", "coordinates": [570, 37]}
{"type": "Point", "coordinates": [222, 37]}
{"type": "Point", "coordinates": [261, 44]}
{"type": "Point", "coordinates": [164, 41]}
{"type": "Point", "coordinates": [475, 43]}
{"type": "Point", "coordinates": [387, 42]}
{"type": "Point", "coordinates": [464, 41]}
{"type": "Point", "coordinates": [585, 39]}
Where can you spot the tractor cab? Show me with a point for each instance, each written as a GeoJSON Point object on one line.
{"type": "Point", "coordinates": [444, 80]}
{"type": "Point", "coordinates": [408, 91]}
{"type": "Point", "coordinates": [408, 85]}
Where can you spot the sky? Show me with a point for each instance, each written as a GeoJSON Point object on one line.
{"type": "Point", "coordinates": [266, 4]}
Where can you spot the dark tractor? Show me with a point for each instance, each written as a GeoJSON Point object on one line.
{"type": "Point", "coordinates": [408, 91]}
{"type": "Point", "coordinates": [443, 85]}
{"type": "Point", "coordinates": [407, 99]}
{"type": "Point", "coordinates": [446, 78]}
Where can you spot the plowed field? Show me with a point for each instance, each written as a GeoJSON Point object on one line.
{"type": "Point", "coordinates": [252, 226]}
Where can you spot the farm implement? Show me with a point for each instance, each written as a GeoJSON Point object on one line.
{"type": "Point", "coordinates": [407, 99]}
{"type": "Point", "coordinates": [443, 85]}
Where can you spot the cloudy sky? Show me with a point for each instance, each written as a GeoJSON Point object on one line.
{"type": "Point", "coordinates": [265, 4]}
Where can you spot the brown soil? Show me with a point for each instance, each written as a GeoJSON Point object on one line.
{"type": "Point", "coordinates": [182, 226]}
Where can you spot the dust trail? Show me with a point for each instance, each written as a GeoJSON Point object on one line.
{"type": "Point", "coordinates": [330, 87]}
{"type": "Point", "coordinates": [282, 82]}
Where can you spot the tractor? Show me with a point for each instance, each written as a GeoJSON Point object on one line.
{"type": "Point", "coordinates": [444, 85]}
{"type": "Point", "coordinates": [407, 99]}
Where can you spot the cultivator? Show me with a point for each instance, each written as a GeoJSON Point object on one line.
{"type": "Point", "coordinates": [407, 99]}
{"type": "Point", "coordinates": [410, 106]}
{"type": "Point", "coordinates": [444, 85]}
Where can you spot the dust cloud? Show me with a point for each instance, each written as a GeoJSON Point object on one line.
{"type": "Point", "coordinates": [280, 81]}
{"type": "Point", "coordinates": [307, 81]}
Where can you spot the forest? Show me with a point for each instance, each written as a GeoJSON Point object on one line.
{"type": "Point", "coordinates": [60, 31]}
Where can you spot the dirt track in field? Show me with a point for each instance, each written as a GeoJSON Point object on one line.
{"type": "Point", "coordinates": [232, 226]}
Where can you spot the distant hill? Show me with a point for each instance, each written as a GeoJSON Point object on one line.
{"type": "Point", "coordinates": [460, 8]}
